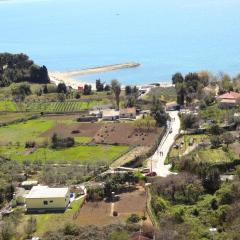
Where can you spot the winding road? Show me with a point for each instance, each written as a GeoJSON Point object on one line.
{"type": "Point", "coordinates": [156, 162]}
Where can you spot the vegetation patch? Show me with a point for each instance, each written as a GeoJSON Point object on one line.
{"type": "Point", "coordinates": [52, 221]}
{"type": "Point", "coordinates": [213, 156]}
{"type": "Point", "coordinates": [68, 106]}
{"type": "Point", "coordinates": [8, 106]}
{"type": "Point", "coordinates": [105, 154]}
{"type": "Point", "coordinates": [167, 94]}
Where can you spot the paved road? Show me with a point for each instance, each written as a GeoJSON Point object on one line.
{"type": "Point", "coordinates": [157, 160]}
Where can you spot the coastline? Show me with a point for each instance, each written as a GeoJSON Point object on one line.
{"type": "Point", "coordinates": [66, 77]}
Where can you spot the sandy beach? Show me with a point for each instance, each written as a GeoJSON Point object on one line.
{"type": "Point", "coordinates": [67, 77]}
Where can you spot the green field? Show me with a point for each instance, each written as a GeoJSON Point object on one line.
{"type": "Point", "coordinates": [26, 131]}
{"type": "Point", "coordinates": [14, 137]}
{"type": "Point", "coordinates": [100, 153]}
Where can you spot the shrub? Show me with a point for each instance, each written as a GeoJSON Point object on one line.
{"type": "Point", "coordinates": [179, 215]}
{"type": "Point", "coordinates": [159, 204]}
{"type": "Point", "coordinates": [134, 218]}
{"type": "Point", "coordinates": [190, 121]}
{"type": "Point", "coordinates": [30, 144]}
{"type": "Point", "coordinates": [70, 229]}
{"type": "Point", "coordinates": [58, 142]}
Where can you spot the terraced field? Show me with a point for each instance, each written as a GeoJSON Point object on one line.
{"type": "Point", "coordinates": [68, 106]}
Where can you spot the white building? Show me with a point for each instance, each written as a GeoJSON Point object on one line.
{"type": "Point", "coordinates": [43, 199]}
{"type": "Point", "coordinates": [110, 114]}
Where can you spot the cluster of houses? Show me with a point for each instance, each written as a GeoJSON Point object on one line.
{"type": "Point", "coordinates": [225, 101]}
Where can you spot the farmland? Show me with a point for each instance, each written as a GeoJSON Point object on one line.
{"type": "Point", "coordinates": [38, 106]}
{"type": "Point", "coordinates": [14, 137]}
{"type": "Point", "coordinates": [70, 106]}
{"type": "Point", "coordinates": [11, 117]}
{"type": "Point", "coordinates": [108, 133]}
{"type": "Point", "coordinates": [102, 210]}
{"type": "Point", "coordinates": [104, 154]}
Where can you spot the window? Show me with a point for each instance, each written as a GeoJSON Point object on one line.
{"type": "Point", "coordinates": [51, 201]}
{"type": "Point", "coordinates": [45, 202]}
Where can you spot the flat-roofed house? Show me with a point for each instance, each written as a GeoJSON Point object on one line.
{"type": "Point", "coordinates": [110, 114]}
{"type": "Point", "coordinates": [128, 113]}
{"type": "Point", "coordinates": [45, 199]}
{"type": "Point", "coordinates": [229, 100]}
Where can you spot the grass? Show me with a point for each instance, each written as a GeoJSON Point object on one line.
{"type": "Point", "coordinates": [213, 156]}
{"type": "Point", "coordinates": [22, 132]}
{"type": "Point", "coordinates": [100, 153]}
{"type": "Point", "coordinates": [8, 105]}
{"type": "Point", "coordinates": [82, 139]}
{"type": "Point", "coordinates": [11, 117]}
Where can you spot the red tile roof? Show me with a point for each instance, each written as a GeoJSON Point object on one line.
{"type": "Point", "coordinates": [128, 111]}
{"type": "Point", "coordinates": [229, 95]}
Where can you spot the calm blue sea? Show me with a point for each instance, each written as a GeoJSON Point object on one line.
{"type": "Point", "coordinates": [165, 36]}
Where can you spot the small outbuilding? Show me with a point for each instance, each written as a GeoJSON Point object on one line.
{"type": "Point", "coordinates": [45, 199]}
{"type": "Point", "coordinates": [128, 113]}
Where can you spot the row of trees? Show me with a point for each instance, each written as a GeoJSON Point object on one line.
{"type": "Point", "coordinates": [100, 87]}
{"type": "Point", "coordinates": [189, 87]}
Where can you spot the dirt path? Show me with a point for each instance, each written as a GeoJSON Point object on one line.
{"type": "Point", "coordinates": [112, 209]}
{"type": "Point", "coordinates": [156, 162]}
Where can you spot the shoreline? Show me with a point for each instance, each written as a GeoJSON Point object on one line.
{"type": "Point", "coordinates": [66, 77]}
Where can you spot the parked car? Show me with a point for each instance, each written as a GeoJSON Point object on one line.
{"type": "Point", "coordinates": [151, 174]}
{"type": "Point", "coordinates": [145, 170]}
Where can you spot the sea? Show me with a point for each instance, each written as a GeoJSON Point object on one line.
{"type": "Point", "coordinates": [164, 36]}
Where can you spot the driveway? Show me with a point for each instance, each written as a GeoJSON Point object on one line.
{"type": "Point", "coordinates": [157, 160]}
